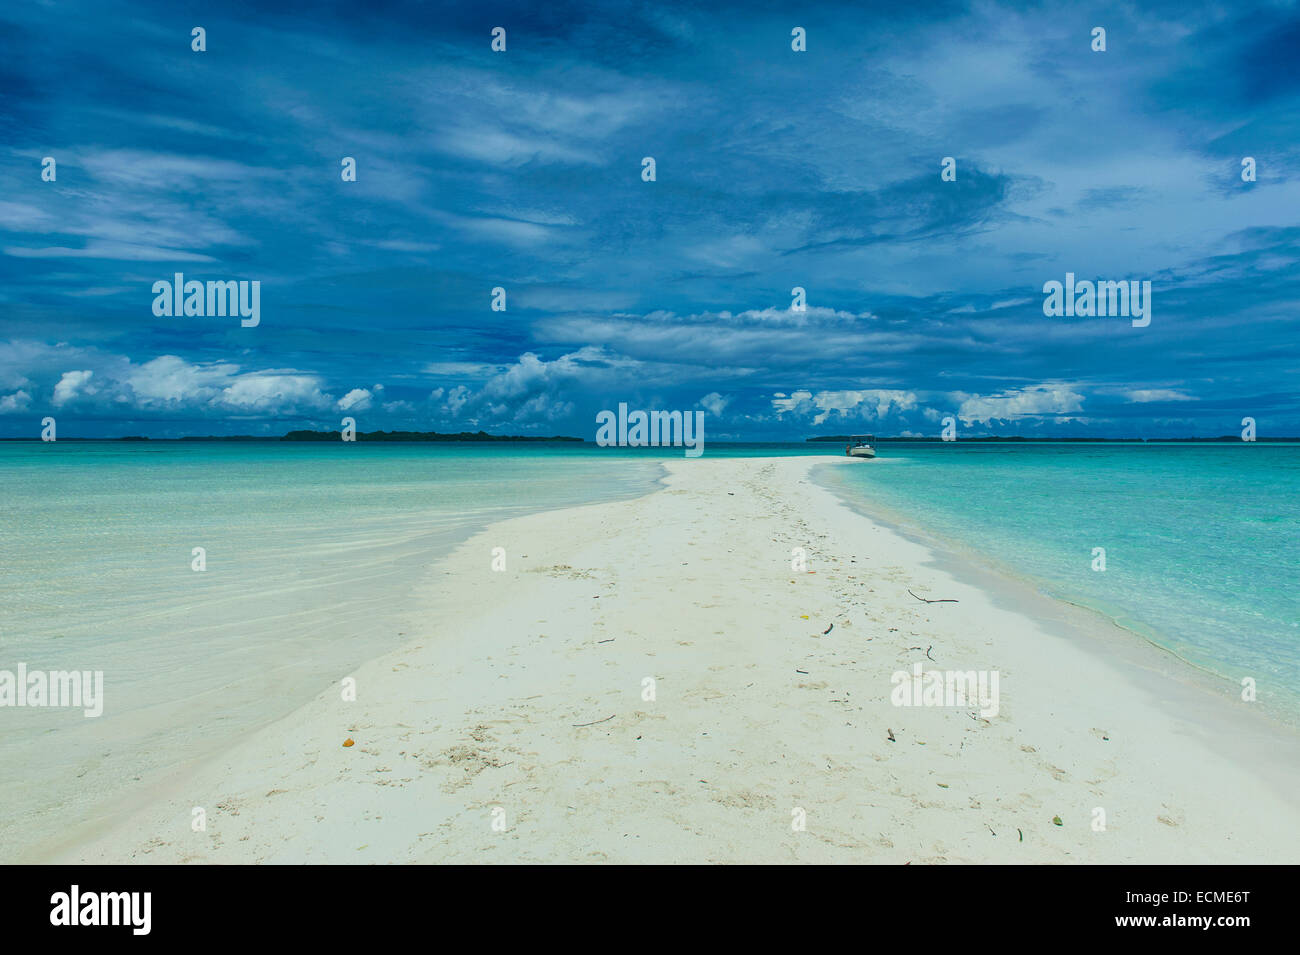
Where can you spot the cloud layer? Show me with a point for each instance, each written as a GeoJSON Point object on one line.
{"type": "Point", "coordinates": [776, 170]}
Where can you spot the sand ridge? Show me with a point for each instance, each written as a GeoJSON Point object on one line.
{"type": "Point", "coordinates": [516, 727]}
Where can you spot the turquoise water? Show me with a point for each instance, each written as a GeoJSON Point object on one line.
{"type": "Point", "coordinates": [1202, 542]}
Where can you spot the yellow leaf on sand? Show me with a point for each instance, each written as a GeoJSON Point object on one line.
{"type": "Point", "coordinates": [349, 742]}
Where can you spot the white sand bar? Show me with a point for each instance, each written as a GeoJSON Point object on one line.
{"type": "Point", "coordinates": [477, 718]}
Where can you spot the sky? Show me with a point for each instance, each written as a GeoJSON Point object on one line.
{"type": "Point", "coordinates": [774, 169]}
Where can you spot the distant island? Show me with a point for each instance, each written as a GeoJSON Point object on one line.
{"type": "Point", "coordinates": [420, 436]}
{"type": "Point", "coordinates": [1015, 437]}
{"type": "Point", "coordinates": [335, 436]}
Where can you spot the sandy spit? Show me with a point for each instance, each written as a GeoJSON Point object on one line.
{"type": "Point", "coordinates": [651, 681]}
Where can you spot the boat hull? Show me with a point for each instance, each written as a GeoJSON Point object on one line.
{"type": "Point", "coordinates": [862, 452]}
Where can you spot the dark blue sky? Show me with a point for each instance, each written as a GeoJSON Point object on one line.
{"type": "Point", "coordinates": [775, 169]}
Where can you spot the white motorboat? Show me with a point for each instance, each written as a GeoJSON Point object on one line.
{"type": "Point", "coordinates": [861, 446]}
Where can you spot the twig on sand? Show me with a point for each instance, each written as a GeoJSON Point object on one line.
{"type": "Point", "coordinates": [610, 640]}
{"type": "Point", "coordinates": [940, 600]}
{"type": "Point", "coordinates": [594, 722]}
{"type": "Point", "coordinates": [927, 653]}
{"type": "Point", "coordinates": [828, 630]}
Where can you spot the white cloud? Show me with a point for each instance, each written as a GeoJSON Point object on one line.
{"type": "Point", "coordinates": [710, 346]}
{"type": "Point", "coordinates": [402, 245]}
{"type": "Point", "coordinates": [171, 380]}
{"type": "Point", "coordinates": [493, 145]}
{"type": "Point", "coordinates": [464, 369]}
{"type": "Point", "coordinates": [1145, 395]}
{"type": "Point", "coordinates": [124, 251]}
{"type": "Point", "coordinates": [713, 403]}
{"type": "Point", "coordinates": [497, 229]}
{"type": "Point", "coordinates": [785, 404]}
{"type": "Point", "coordinates": [456, 399]}
{"type": "Point", "coordinates": [167, 384]}
{"type": "Point", "coordinates": [127, 167]}
{"type": "Point", "coordinates": [70, 384]}
{"type": "Point", "coordinates": [871, 403]}
{"type": "Point", "coordinates": [531, 373]}
{"type": "Point", "coordinates": [543, 408]}
{"type": "Point", "coordinates": [358, 399]}
{"type": "Point", "coordinates": [18, 401]}
{"type": "Point", "coordinates": [536, 390]}
{"type": "Point", "coordinates": [1045, 399]}
{"type": "Point", "coordinates": [274, 393]}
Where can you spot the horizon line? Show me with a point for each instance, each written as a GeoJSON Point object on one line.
{"type": "Point", "coordinates": [324, 437]}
